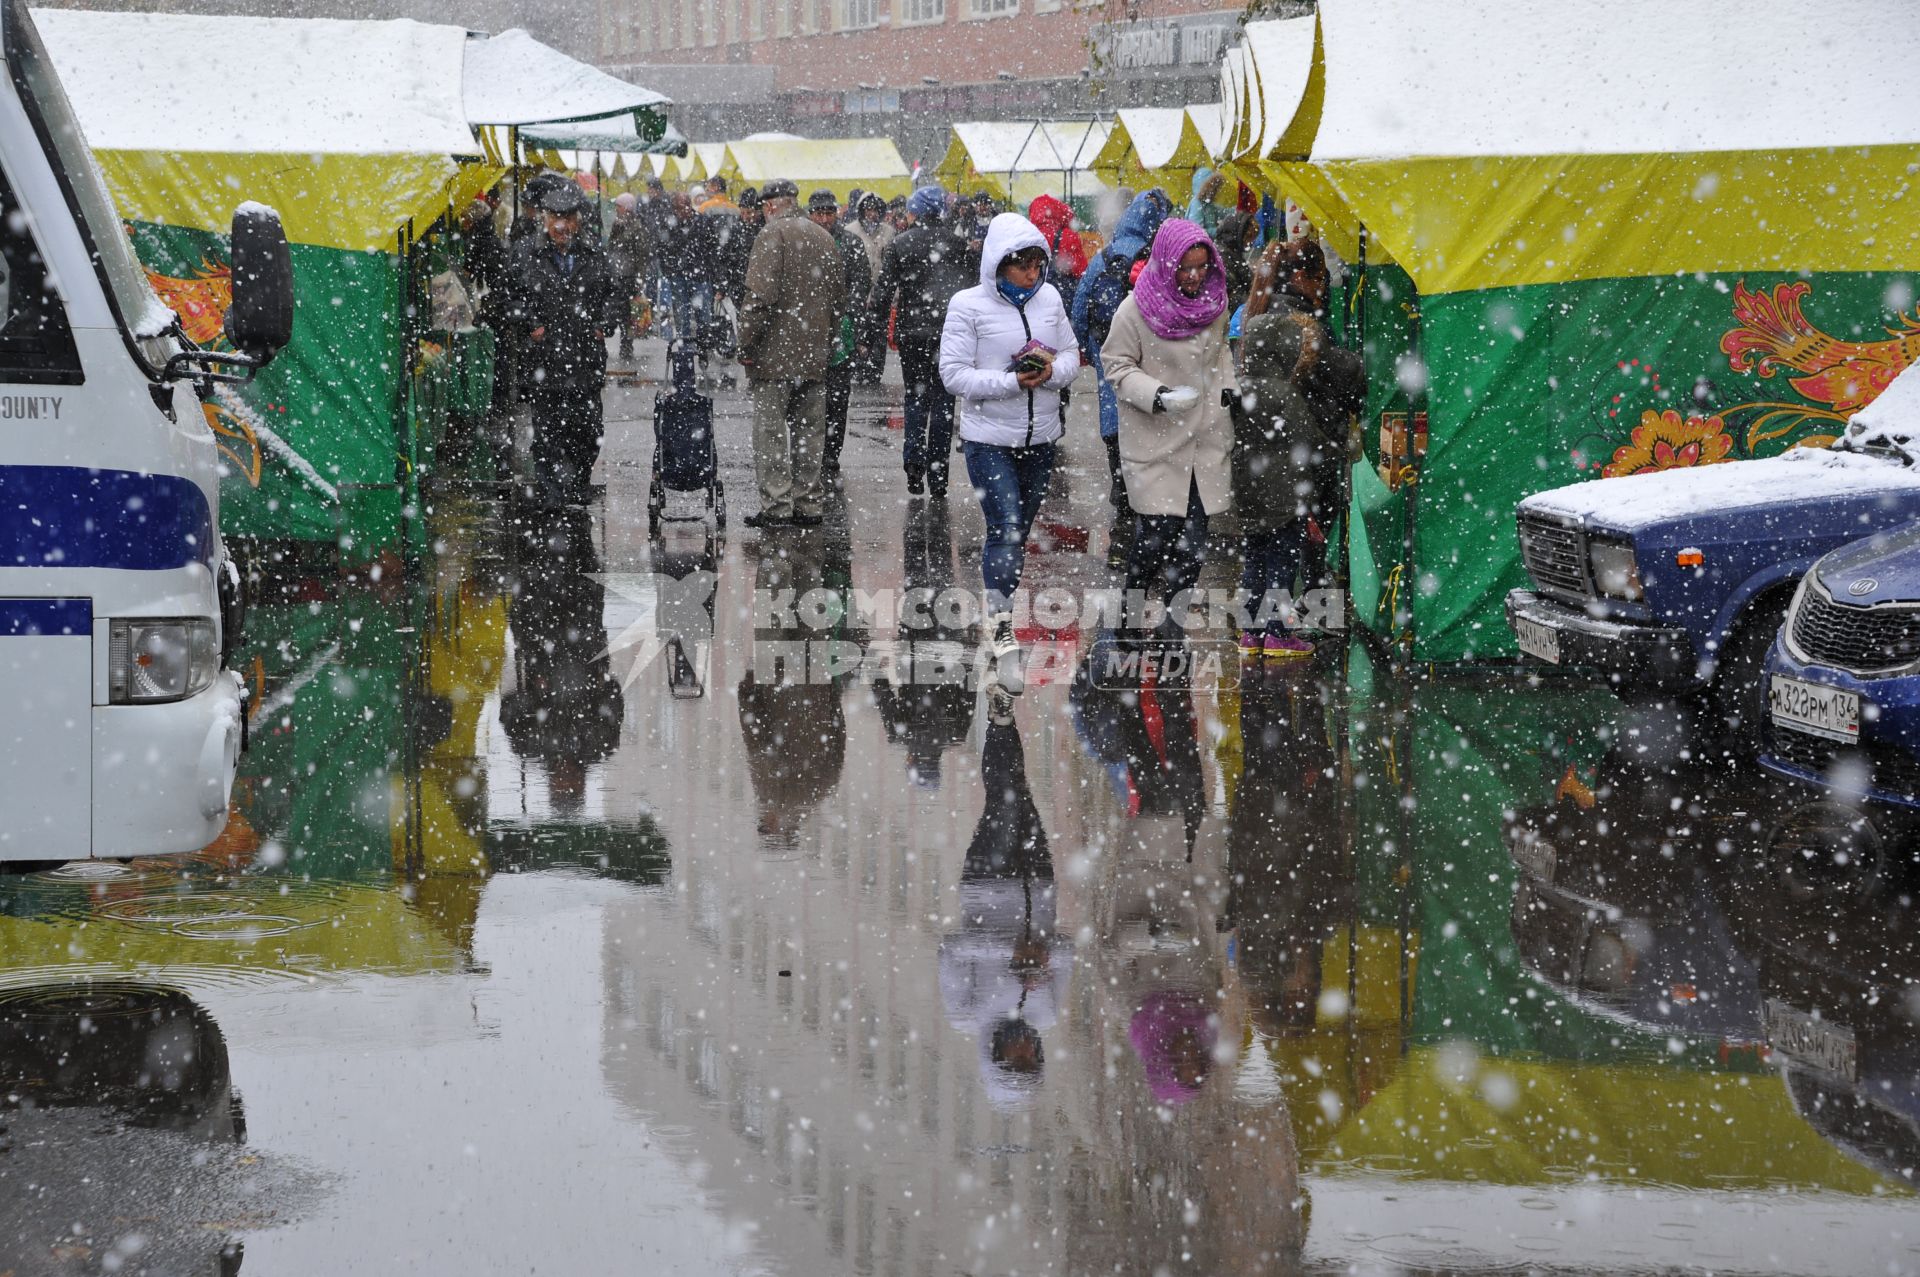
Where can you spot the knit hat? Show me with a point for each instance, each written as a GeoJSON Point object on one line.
{"type": "Point", "coordinates": [928, 202]}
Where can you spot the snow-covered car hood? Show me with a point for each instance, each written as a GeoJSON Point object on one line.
{"type": "Point", "coordinates": [1801, 476]}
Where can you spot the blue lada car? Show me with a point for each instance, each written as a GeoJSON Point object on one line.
{"type": "Point", "coordinates": [1677, 581]}
{"type": "Point", "coordinates": [1843, 679]}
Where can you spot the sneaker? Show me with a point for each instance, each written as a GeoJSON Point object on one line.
{"type": "Point", "coordinates": [1252, 644]}
{"type": "Point", "coordinates": [1007, 671]}
{"type": "Point", "coordinates": [916, 483]}
{"type": "Point", "coordinates": [766, 519]}
{"type": "Point", "coordinates": [999, 705]}
{"type": "Point", "coordinates": [806, 520]}
{"type": "Point", "coordinates": [1287, 648]}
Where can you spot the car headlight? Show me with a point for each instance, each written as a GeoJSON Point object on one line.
{"type": "Point", "coordinates": [1615, 573]}
{"type": "Point", "coordinates": [160, 659]}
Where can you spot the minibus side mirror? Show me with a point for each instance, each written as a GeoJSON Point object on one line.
{"type": "Point", "coordinates": [260, 318]}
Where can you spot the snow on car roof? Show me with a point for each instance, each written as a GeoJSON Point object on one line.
{"type": "Point", "coordinates": [320, 86]}
{"type": "Point", "coordinates": [1892, 420]}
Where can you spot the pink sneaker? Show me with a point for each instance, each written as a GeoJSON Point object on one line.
{"type": "Point", "coordinates": [1286, 648]}
{"type": "Point", "coordinates": [1252, 644]}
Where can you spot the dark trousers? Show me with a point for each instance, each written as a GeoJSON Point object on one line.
{"type": "Point", "coordinates": [839, 389]}
{"type": "Point", "coordinates": [566, 436]}
{"type": "Point", "coordinates": [1168, 550]}
{"type": "Point", "coordinates": [929, 442]}
{"type": "Point", "coordinates": [1273, 556]}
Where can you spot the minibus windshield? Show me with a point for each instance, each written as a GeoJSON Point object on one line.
{"type": "Point", "coordinates": [140, 310]}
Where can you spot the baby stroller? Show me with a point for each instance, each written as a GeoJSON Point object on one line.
{"type": "Point", "coordinates": [684, 459]}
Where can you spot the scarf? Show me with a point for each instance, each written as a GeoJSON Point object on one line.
{"type": "Point", "coordinates": [1170, 313]}
{"type": "Point", "coordinates": [1018, 296]}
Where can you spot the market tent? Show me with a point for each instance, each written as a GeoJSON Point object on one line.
{"type": "Point", "coordinates": [556, 103]}
{"type": "Point", "coordinates": [358, 165]}
{"type": "Point", "coordinates": [839, 165]}
{"type": "Point", "coordinates": [512, 78]}
{"type": "Point", "coordinates": [1575, 266]}
{"type": "Point", "coordinates": [702, 160]}
{"type": "Point", "coordinates": [1154, 146]}
{"type": "Point", "coordinates": [1020, 160]}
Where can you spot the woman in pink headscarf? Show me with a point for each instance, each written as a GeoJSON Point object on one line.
{"type": "Point", "coordinates": [1167, 358]}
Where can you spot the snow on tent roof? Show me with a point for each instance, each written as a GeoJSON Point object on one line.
{"type": "Point", "coordinates": [1155, 132]}
{"type": "Point", "coordinates": [512, 78]}
{"type": "Point", "coordinates": [260, 85]}
{"type": "Point", "coordinates": [1278, 66]}
{"type": "Point", "coordinates": [871, 163]}
{"type": "Point", "coordinates": [1209, 120]}
{"type": "Point", "coordinates": [1234, 106]}
{"type": "Point", "coordinates": [1409, 78]}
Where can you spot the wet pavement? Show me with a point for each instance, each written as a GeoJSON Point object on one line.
{"type": "Point", "coordinates": [539, 942]}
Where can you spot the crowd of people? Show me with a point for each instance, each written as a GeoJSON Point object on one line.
{"type": "Point", "coordinates": [1219, 384]}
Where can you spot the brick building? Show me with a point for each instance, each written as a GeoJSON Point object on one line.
{"type": "Point", "coordinates": [907, 68]}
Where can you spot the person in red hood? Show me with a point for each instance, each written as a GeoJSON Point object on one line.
{"type": "Point", "coordinates": [1055, 221]}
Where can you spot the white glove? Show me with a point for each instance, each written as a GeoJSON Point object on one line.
{"type": "Point", "coordinates": [1180, 399]}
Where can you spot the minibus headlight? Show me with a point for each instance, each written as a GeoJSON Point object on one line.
{"type": "Point", "coordinates": [1615, 573]}
{"type": "Point", "coordinates": [160, 659]}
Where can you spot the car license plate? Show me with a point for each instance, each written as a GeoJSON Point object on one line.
{"type": "Point", "coordinates": [1814, 708]}
{"type": "Point", "coordinates": [1536, 640]}
{"type": "Point", "coordinates": [1813, 1043]}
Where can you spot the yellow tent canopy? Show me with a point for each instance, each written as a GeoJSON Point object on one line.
{"type": "Point", "coordinates": [1155, 146]}
{"type": "Point", "coordinates": [840, 165]}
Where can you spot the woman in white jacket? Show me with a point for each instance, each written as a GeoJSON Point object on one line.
{"type": "Point", "coordinates": [1006, 352]}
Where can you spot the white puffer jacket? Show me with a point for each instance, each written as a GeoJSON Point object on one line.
{"type": "Point", "coordinates": [982, 332]}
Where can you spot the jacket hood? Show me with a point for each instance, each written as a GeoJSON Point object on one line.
{"type": "Point", "coordinates": [1007, 234]}
{"type": "Point", "coordinates": [1050, 214]}
{"type": "Point", "coordinates": [1201, 176]}
{"type": "Point", "coordinates": [1140, 223]}
{"type": "Point", "coordinates": [1261, 352]}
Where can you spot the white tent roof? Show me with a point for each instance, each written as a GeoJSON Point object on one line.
{"type": "Point", "coordinates": [1236, 107]}
{"type": "Point", "coordinates": [1543, 77]}
{"type": "Point", "coordinates": [1209, 118]}
{"type": "Point", "coordinates": [1155, 132]}
{"type": "Point", "coordinates": [997, 146]}
{"type": "Point", "coordinates": [1279, 57]}
{"type": "Point", "coordinates": [512, 78]}
{"type": "Point", "coordinates": [314, 86]}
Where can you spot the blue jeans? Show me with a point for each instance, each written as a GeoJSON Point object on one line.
{"type": "Point", "coordinates": [690, 302]}
{"type": "Point", "coordinates": [929, 441]}
{"type": "Point", "coordinates": [1272, 558]}
{"type": "Point", "coordinates": [1010, 483]}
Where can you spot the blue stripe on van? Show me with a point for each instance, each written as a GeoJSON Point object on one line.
{"type": "Point", "coordinates": [21, 617]}
{"type": "Point", "coordinates": [73, 517]}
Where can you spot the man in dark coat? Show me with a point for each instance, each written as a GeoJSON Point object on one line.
{"type": "Point", "coordinates": [824, 210]}
{"type": "Point", "coordinates": [566, 295]}
{"type": "Point", "coordinates": [920, 271]}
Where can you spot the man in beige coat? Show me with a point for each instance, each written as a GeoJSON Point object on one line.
{"type": "Point", "coordinates": [796, 292]}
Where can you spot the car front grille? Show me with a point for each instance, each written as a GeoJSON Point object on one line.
{"type": "Point", "coordinates": [1884, 767]}
{"type": "Point", "coordinates": [1555, 555]}
{"type": "Point", "coordinates": [1860, 640]}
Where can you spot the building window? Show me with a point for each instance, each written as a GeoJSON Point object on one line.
{"type": "Point", "coordinates": [756, 19]}
{"type": "Point", "coordinates": [857, 15]}
{"type": "Point", "coordinates": [992, 8]}
{"type": "Point", "coordinates": [911, 13]}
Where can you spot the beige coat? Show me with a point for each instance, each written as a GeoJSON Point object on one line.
{"type": "Point", "coordinates": [796, 293]}
{"type": "Point", "coordinates": [1164, 454]}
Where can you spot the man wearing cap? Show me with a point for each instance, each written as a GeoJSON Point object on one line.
{"type": "Point", "coordinates": [567, 295]}
{"type": "Point", "coordinates": [920, 271]}
{"type": "Point", "coordinates": [823, 209]}
{"type": "Point", "coordinates": [795, 294]}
